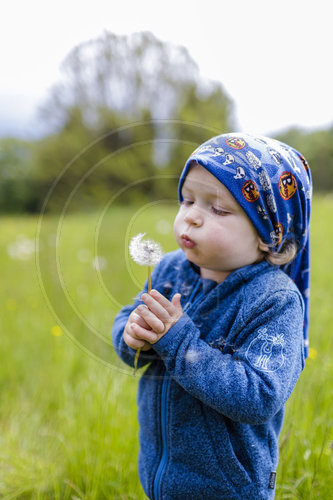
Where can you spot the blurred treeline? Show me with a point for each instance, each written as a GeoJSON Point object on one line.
{"type": "Point", "coordinates": [128, 112]}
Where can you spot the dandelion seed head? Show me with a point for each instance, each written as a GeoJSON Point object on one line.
{"type": "Point", "coordinates": [145, 252]}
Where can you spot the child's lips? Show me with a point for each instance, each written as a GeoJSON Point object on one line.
{"type": "Point", "coordinates": [187, 242]}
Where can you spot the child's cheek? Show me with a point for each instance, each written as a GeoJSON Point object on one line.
{"type": "Point", "coordinates": [176, 226]}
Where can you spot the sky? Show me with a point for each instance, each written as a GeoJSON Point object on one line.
{"type": "Point", "coordinates": [273, 58]}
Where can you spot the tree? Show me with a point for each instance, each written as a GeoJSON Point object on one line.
{"type": "Point", "coordinates": [130, 94]}
{"type": "Point", "coordinates": [129, 75]}
{"type": "Point", "coordinates": [317, 147]}
{"type": "Point", "coordinates": [17, 183]}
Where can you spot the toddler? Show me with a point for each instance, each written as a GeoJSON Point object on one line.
{"type": "Point", "coordinates": [224, 329]}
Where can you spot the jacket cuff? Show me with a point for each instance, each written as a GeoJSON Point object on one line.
{"type": "Point", "coordinates": [169, 344]}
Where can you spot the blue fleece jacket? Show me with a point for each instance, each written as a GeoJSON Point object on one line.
{"type": "Point", "coordinates": [211, 402]}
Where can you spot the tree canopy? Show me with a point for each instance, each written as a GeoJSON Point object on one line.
{"type": "Point", "coordinates": [128, 110]}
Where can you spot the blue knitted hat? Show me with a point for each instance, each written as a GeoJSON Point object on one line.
{"type": "Point", "coordinates": [272, 183]}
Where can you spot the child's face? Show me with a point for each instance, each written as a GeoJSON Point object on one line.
{"type": "Point", "coordinates": [212, 228]}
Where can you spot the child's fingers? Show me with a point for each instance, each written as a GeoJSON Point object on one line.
{"type": "Point", "coordinates": [143, 334]}
{"type": "Point", "coordinates": [159, 304]}
{"type": "Point", "coordinates": [165, 303]}
{"type": "Point", "coordinates": [158, 309]}
{"type": "Point", "coordinates": [133, 342]}
{"type": "Point", "coordinates": [176, 300]}
{"type": "Point", "coordinates": [151, 318]}
{"type": "Point", "coordinates": [139, 321]}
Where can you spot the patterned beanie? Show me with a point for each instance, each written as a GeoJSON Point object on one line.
{"type": "Point", "coordinates": [271, 181]}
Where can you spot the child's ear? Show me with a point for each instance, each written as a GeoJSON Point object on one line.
{"type": "Point", "coordinates": [263, 246]}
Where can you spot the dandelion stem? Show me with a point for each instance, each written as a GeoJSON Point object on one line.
{"type": "Point", "coordinates": [146, 253]}
{"type": "Point", "coordinates": [136, 359]}
{"type": "Point", "coordinates": [149, 279]}
{"type": "Point", "coordinates": [137, 354]}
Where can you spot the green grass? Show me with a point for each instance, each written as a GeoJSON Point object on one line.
{"type": "Point", "coordinates": [68, 427]}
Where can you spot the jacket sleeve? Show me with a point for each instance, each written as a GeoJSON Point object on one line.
{"type": "Point", "coordinates": [253, 383]}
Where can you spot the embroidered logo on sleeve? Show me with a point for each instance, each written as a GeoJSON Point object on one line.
{"type": "Point", "coordinates": [265, 352]}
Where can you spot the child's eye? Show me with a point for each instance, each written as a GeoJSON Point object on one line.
{"type": "Point", "coordinates": [219, 211]}
{"type": "Point", "coordinates": [187, 203]}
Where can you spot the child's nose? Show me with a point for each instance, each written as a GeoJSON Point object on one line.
{"type": "Point", "coordinates": [193, 216]}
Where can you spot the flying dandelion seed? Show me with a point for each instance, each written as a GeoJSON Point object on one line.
{"type": "Point", "coordinates": [22, 249]}
{"type": "Point", "coordinates": [84, 255]}
{"type": "Point", "coordinates": [145, 253]}
{"type": "Point", "coordinates": [163, 226]}
{"type": "Point", "coordinates": [99, 263]}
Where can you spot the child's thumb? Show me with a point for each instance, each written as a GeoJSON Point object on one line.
{"type": "Point", "coordinates": [176, 299]}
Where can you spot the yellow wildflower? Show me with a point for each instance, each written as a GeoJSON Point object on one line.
{"type": "Point", "coordinates": [312, 353]}
{"type": "Point", "coordinates": [57, 331]}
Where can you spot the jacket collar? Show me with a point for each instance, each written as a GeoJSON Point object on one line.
{"type": "Point", "coordinates": [242, 274]}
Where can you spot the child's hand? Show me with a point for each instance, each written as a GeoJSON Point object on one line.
{"type": "Point", "coordinates": [130, 335]}
{"type": "Point", "coordinates": [159, 314]}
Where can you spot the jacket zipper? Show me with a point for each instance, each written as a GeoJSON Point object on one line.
{"type": "Point", "coordinates": [164, 396]}
{"type": "Point", "coordinates": [160, 469]}
{"type": "Point", "coordinates": [192, 297]}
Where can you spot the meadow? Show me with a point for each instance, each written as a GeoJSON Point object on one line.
{"type": "Point", "coordinates": [68, 426]}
